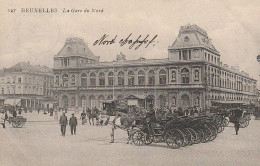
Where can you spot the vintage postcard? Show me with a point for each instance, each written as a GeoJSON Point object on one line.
{"type": "Point", "coordinates": [131, 83]}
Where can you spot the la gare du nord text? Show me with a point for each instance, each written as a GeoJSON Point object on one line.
{"type": "Point", "coordinates": [64, 10]}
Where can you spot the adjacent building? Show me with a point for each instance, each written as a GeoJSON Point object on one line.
{"type": "Point", "coordinates": [26, 85]}
{"type": "Point", "coordinates": [192, 75]}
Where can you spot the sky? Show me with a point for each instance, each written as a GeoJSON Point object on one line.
{"type": "Point", "coordinates": [233, 26]}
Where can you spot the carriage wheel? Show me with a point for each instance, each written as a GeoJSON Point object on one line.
{"type": "Point", "coordinates": [247, 123]}
{"type": "Point", "coordinates": [20, 124]}
{"type": "Point", "coordinates": [138, 138]}
{"type": "Point", "coordinates": [158, 138]}
{"type": "Point", "coordinates": [226, 122]}
{"type": "Point", "coordinates": [200, 135]}
{"type": "Point", "coordinates": [174, 138]}
{"type": "Point", "coordinates": [242, 123]}
{"type": "Point", "coordinates": [194, 135]}
{"type": "Point", "coordinates": [15, 124]}
{"type": "Point", "coordinates": [187, 137]}
{"type": "Point", "coordinates": [148, 138]}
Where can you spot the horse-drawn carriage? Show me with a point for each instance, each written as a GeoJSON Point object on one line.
{"type": "Point", "coordinates": [239, 114]}
{"type": "Point", "coordinates": [257, 113]}
{"type": "Point", "coordinates": [179, 131]}
{"type": "Point", "coordinates": [17, 121]}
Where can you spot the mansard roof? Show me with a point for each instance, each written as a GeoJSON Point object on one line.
{"type": "Point", "coordinates": [192, 36]}
{"type": "Point", "coordinates": [75, 47]}
{"type": "Point", "coordinates": [26, 66]}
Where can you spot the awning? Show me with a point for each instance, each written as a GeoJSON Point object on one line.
{"type": "Point", "coordinates": [14, 102]}
{"type": "Point", "coordinates": [142, 97]}
{"type": "Point", "coordinates": [230, 102]}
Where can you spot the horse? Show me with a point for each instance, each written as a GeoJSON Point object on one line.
{"type": "Point", "coordinates": [125, 120]}
{"type": "Point", "coordinates": [92, 114]}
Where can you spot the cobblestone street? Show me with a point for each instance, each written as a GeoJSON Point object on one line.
{"type": "Point", "coordinates": [40, 141]}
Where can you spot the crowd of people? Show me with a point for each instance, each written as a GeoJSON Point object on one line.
{"type": "Point", "coordinates": [95, 114]}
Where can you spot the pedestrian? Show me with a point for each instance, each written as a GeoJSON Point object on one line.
{"type": "Point", "coordinates": [237, 125]}
{"type": "Point", "coordinates": [56, 114]}
{"type": "Point", "coordinates": [63, 123]}
{"type": "Point", "coordinates": [73, 123]}
{"type": "Point", "coordinates": [20, 111]}
{"type": "Point", "coordinates": [51, 111]}
{"type": "Point", "coordinates": [83, 117]}
{"type": "Point", "coordinates": [14, 113]}
{"type": "Point", "coordinates": [38, 110]}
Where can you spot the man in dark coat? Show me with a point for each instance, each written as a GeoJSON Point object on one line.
{"type": "Point", "coordinates": [73, 123]}
{"type": "Point", "coordinates": [237, 125]}
{"type": "Point", "coordinates": [14, 113]}
{"type": "Point", "coordinates": [83, 117]}
{"type": "Point", "coordinates": [63, 123]}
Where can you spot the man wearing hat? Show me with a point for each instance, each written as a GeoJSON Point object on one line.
{"type": "Point", "coordinates": [73, 123]}
{"type": "Point", "coordinates": [63, 123]}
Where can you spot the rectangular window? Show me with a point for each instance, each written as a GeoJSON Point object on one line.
{"type": "Point", "coordinates": [162, 79]}
{"type": "Point", "coordinates": [19, 80]}
{"type": "Point", "coordinates": [179, 55]}
{"type": "Point", "coordinates": [121, 81]}
{"type": "Point", "coordinates": [110, 81]}
{"type": "Point", "coordinates": [92, 82]}
{"type": "Point", "coordinates": [73, 101]}
{"type": "Point", "coordinates": [102, 82]}
{"type": "Point", "coordinates": [185, 55]}
{"type": "Point", "coordinates": [131, 81]}
{"type": "Point", "coordinates": [189, 54]}
{"type": "Point", "coordinates": [141, 80]}
{"type": "Point", "coordinates": [209, 57]}
{"type": "Point", "coordinates": [205, 56]}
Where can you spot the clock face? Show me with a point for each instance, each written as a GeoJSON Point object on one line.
{"type": "Point", "coordinates": [186, 39]}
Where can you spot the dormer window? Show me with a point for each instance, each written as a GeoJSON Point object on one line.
{"type": "Point", "coordinates": [186, 39]}
{"type": "Point", "coordinates": [65, 62]}
{"type": "Point", "coordinates": [69, 49]}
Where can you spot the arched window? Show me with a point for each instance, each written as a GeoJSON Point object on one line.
{"type": "Point", "coordinates": [185, 78]}
{"type": "Point", "coordinates": [73, 80]}
{"type": "Point", "coordinates": [101, 79]}
{"type": "Point", "coordinates": [196, 77]}
{"type": "Point", "coordinates": [120, 97]}
{"type": "Point", "coordinates": [64, 101]}
{"type": "Point", "coordinates": [121, 79]}
{"type": "Point", "coordinates": [92, 79]}
{"type": "Point", "coordinates": [173, 101]}
{"type": "Point", "coordinates": [162, 100]}
{"type": "Point", "coordinates": [151, 77]}
{"type": "Point", "coordinates": [65, 79]}
{"type": "Point", "coordinates": [83, 101]}
{"type": "Point", "coordinates": [197, 101]}
{"type": "Point", "coordinates": [101, 97]}
{"type": "Point", "coordinates": [92, 101]}
{"type": "Point", "coordinates": [162, 77]}
{"type": "Point", "coordinates": [57, 80]}
{"type": "Point", "coordinates": [173, 76]}
{"type": "Point", "coordinates": [83, 80]}
{"type": "Point", "coordinates": [141, 78]}
{"type": "Point", "coordinates": [110, 97]}
{"type": "Point", "coordinates": [73, 101]}
{"type": "Point", "coordinates": [131, 78]}
{"type": "Point", "coordinates": [110, 78]}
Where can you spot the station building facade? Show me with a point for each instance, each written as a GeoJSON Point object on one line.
{"type": "Point", "coordinates": [192, 75]}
